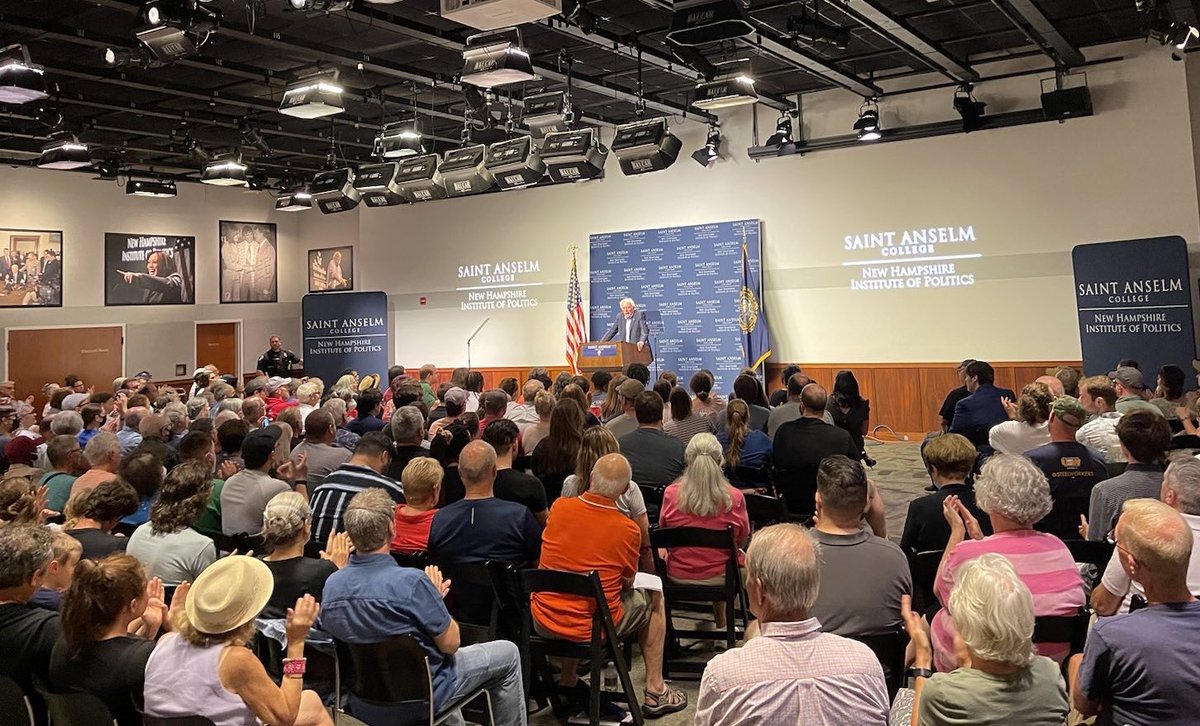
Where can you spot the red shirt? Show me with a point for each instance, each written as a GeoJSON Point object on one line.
{"type": "Point", "coordinates": [412, 531]}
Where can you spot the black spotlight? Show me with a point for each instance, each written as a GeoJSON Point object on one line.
{"type": "Point", "coordinates": [867, 126]}
{"type": "Point", "coordinates": [782, 137]}
{"type": "Point", "coordinates": [970, 109]}
{"type": "Point", "coordinates": [710, 153]}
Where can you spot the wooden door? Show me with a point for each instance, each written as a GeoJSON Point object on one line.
{"type": "Point", "coordinates": [217, 343]}
{"type": "Point", "coordinates": [45, 355]}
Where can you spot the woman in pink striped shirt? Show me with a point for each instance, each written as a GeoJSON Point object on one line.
{"type": "Point", "coordinates": [1015, 495]}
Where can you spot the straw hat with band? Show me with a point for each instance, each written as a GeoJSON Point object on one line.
{"type": "Point", "coordinates": [228, 594]}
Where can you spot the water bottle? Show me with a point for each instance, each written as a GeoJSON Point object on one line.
{"type": "Point", "coordinates": [610, 677]}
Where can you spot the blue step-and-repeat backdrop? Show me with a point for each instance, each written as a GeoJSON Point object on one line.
{"type": "Point", "coordinates": [692, 276]}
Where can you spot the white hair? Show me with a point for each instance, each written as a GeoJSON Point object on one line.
{"type": "Point", "coordinates": [627, 300]}
{"type": "Point", "coordinates": [993, 610]}
{"type": "Point", "coordinates": [784, 559]}
{"type": "Point", "coordinates": [1183, 478]}
{"type": "Point", "coordinates": [703, 490]}
{"type": "Point", "coordinates": [1015, 488]}
{"type": "Point", "coordinates": [66, 423]}
{"type": "Point", "coordinates": [610, 486]}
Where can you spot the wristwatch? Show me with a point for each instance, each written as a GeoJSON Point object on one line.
{"type": "Point", "coordinates": [915, 672]}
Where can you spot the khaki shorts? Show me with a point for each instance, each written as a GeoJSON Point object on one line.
{"type": "Point", "coordinates": [636, 606]}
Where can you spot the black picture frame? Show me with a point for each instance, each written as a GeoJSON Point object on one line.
{"type": "Point", "coordinates": [325, 256]}
{"type": "Point", "coordinates": [232, 291]}
{"type": "Point", "coordinates": [123, 255]}
{"type": "Point", "coordinates": [54, 294]}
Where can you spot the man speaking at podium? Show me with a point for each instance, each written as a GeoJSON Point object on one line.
{"type": "Point", "coordinates": [630, 326]}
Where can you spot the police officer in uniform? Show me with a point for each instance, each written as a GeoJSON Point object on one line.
{"type": "Point", "coordinates": [277, 361]}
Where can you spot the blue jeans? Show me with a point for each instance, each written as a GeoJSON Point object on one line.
{"type": "Point", "coordinates": [495, 666]}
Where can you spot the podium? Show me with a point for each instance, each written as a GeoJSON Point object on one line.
{"type": "Point", "coordinates": [611, 356]}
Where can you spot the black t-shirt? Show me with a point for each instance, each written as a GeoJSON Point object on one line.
{"type": "Point", "coordinates": [798, 449]}
{"type": "Point", "coordinates": [851, 421]}
{"type": "Point", "coordinates": [778, 397]}
{"type": "Point", "coordinates": [401, 456]}
{"type": "Point", "coordinates": [1071, 468]}
{"type": "Point", "coordinates": [452, 486]}
{"type": "Point", "coordinates": [516, 486]}
{"type": "Point", "coordinates": [112, 670]}
{"type": "Point", "coordinates": [97, 544]}
{"type": "Point", "coordinates": [27, 637]}
{"type": "Point", "coordinates": [952, 399]}
{"type": "Point", "coordinates": [294, 579]}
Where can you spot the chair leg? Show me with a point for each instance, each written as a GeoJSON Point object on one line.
{"type": "Point", "coordinates": [622, 665]}
{"type": "Point", "coordinates": [596, 668]}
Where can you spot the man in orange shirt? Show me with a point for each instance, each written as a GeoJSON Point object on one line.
{"type": "Point", "coordinates": [611, 550]}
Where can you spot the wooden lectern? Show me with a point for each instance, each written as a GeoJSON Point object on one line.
{"type": "Point", "coordinates": [611, 356]}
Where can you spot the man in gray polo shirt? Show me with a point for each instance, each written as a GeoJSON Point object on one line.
{"type": "Point", "coordinates": [655, 457]}
{"type": "Point", "coordinates": [790, 410]}
{"type": "Point", "coordinates": [1145, 438]}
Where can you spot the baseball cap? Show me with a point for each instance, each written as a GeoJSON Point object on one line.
{"type": "Point", "coordinates": [630, 387]}
{"type": "Point", "coordinates": [259, 444]}
{"type": "Point", "coordinates": [73, 401]}
{"type": "Point", "coordinates": [1128, 376]}
{"type": "Point", "coordinates": [1069, 410]}
{"type": "Point", "coordinates": [144, 374]}
{"type": "Point", "coordinates": [457, 396]}
{"type": "Point", "coordinates": [274, 382]}
{"type": "Point", "coordinates": [22, 449]}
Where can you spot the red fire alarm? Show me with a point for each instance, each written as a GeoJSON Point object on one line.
{"type": "Point", "coordinates": [422, 299]}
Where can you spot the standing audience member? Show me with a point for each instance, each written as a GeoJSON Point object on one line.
{"type": "Point", "coordinates": [408, 437]}
{"type": "Point", "coordinates": [1027, 427]}
{"type": "Point", "coordinates": [103, 455]}
{"type": "Point", "coordinates": [144, 471]}
{"type": "Point", "coordinates": [99, 512]}
{"type": "Point", "coordinates": [656, 458]}
{"type": "Point", "coordinates": [67, 554]}
{"type": "Point", "coordinates": [373, 599]}
{"type": "Point", "coordinates": [975, 415]}
{"type": "Point", "coordinates": [1129, 384]}
{"type": "Point", "coordinates": [456, 405]}
{"type": "Point", "coordinates": [27, 633]}
{"type": "Point", "coordinates": [363, 471]}
{"type": "Point", "coordinates": [66, 458]}
{"type": "Point", "coordinates": [1145, 438]}
{"type": "Point", "coordinates": [167, 546]}
{"type": "Point", "coordinates": [130, 434]}
{"type": "Point", "coordinates": [422, 487]}
{"type": "Point", "coordinates": [625, 419]}
{"type": "Point", "coordinates": [1168, 394]}
{"type": "Point", "coordinates": [1098, 398]}
{"type": "Point", "coordinates": [1144, 667]}
{"type": "Point", "coordinates": [788, 671]}
{"type": "Point", "coordinates": [368, 404]}
{"type": "Point", "coordinates": [685, 423]}
{"type": "Point", "coordinates": [531, 436]}
{"type": "Point", "coordinates": [1000, 681]}
{"type": "Point", "coordinates": [949, 459]}
{"type": "Point", "coordinates": [342, 436]}
{"type": "Point", "coordinates": [287, 529]}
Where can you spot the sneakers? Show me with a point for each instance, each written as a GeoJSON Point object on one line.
{"type": "Point", "coordinates": [657, 705]}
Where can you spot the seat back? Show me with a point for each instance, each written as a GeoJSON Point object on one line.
{"type": "Point", "coordinates": [14, 704]}
{"type": "Point", "coordinates": [1090, 552]}
{"type": "Point", "coordinates": [750, 476]}
{"type": "Point", "coordinates": [764, 510]}
{"type": "Point", "coordinates": [472, 599]}
{"type": "Point", "coordinates": [418, 560]}
{"type": "Point", "coordinates": [889, 649]}
{"type": "Point", "coordinates": [389, 672]}
{"type": "Point", "coordinates": [653, 497]}
{"type": "Point", "coordinates": [924, 566]}
{"type": "Point", "coordinates": [798, 487]}
{"type": "Point", "coordinates": [1071, 629]}
{"type": "Point", "coordinates": [76, 709]}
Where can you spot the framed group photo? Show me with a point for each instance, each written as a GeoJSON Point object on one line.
{"type": "Point", "coordinates": [249, 263]}
{"type": "Point", "coordinates": [31, 273]}
{"type": "Point", "coordinates": [146, 269]}
{"type": "Point", "coordinates": [331, 268]}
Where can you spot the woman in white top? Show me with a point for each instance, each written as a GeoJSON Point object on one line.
{"type": "Point", "coordinates": [1028, 429]}
{"type": "Point", "coordinates": [167, 546]}
{"type": "Point", "coordinates": [598, 441]}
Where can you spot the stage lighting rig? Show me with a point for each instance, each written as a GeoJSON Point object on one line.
{"type": "Point", "coordinates": [175, 29]}
{"type": "Point", "coordinates": [867, 126]}
{"type": "Point", "coordinates": [811, 29]}
{"type": "Point", "coordinates": [318, 6]}
{"type": "Point", "coordinates": [969, 109]}
{"type": "Point", "coordinates": [20, 80]}
{"type": "Point", "coordinates": [710, 153]}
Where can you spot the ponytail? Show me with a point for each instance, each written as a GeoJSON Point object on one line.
{"type": "Point", "coordinates": [737, 416]}
{"type": "Point", "coordinates": [100, 591]}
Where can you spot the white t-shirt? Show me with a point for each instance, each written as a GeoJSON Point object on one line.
{"type": "Point", "coordinates": [1017, 437]}
{"type": "Point", "coordinates": [1101, 434]}
{"type": "Point", "coordinates": [1117, 581]}
{"type": "Point", "coordinates": [631, 503]}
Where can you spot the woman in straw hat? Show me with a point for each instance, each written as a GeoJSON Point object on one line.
{"type": "Point", "coordinates": [202, 669]}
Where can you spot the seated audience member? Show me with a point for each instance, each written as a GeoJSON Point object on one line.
{"type": "Point", "coordinates": [20, 500]}
{"type": "Point", "coordinates": [408, 434]}
{"type": "Point", "coordinates": [342, 436]}
{"type": "Point", "coordinates": [801, 444]}
{"type": "Point", "coordinates": [197, 447]}
{"type": "Point", "coordinates": [1168, 394]}
{"type": "Point", "coordinates": [788, 671]}
{"type": "Point", "coordinates": [373, 599]}
{"type": "Point", "coordinates": [779, 396]}
{"type": "Point", "coordinates": [445, 448]}
{"type": "Point", "coordinates": [204, 669]}
{"type": "Point", "coordinates": [422, 487]}
{"type": "Point", "coordinates": [1069, 466]}
{"type": "Point", "coordinates": [111, 615]}
{"type": "Point", "coordinates": [1129, 384]}
{"type": "Point", "coordinates": [246, 493]}
{"type": "Point", "coordinates": [1052, 383]}
{"type": "Point", "coordinates": [850, 411]}
{"type": "Point", "coordinates": [455, 400]}
{"type": "Point", "coordinates": [531, 436]}
{"type": "Point", "coordinates": [93, 418]}
{"type": "Point", "coordinates": [1144, 439]}
{"type": "Point", "coordinates": [130, 434]}
{"type": "Point", "coordinates": [611, 550]}
{"type": "Point", "coordinates": [67, 462]}
{"type": "Point", "coordinates": [1144, 667]}
{"type": "Point", "coordinates": [597, 442]}
{"type": "Point", "coordinates": [319, 453]}
{"type": "Point", "coordinates": [167, 546]}
{"type": "Point", "coordinates": [438, 409]}
{"type": "Point", "coordinates": [573, 392]}
{"type": "Point", "coordinates": [493, 405]}
{"type": "Point", "coordinates": [705, 403]}
{"type": "Point", "coordinates": [103, 456]}
{"type": "Point", "coordinates": [27, 633]}
{"type": "Point", "coordinates": [1015, 495]}
{"type": "Point", "coordinates": [279, 396]}
{"type": "Point", "coordinates": [600, 381]}
{"type": "Point", "coordinates": [626, 396]}
{"type": "Point", "coordinates": [99, 512]}
{"type": "Point", "coordinates": [524, 414]}
{"type": "Point", "coordinates": [949, 459]}
{"type": "Point", "coordinates": [863, 576]}
{"type": "Point", "coordinates": [67, 553]}
{"type": "Point", "coordinates": [1098, 398]}
{"type": "Point", "coordinates": [368, 404]}
{"type": "Point", "coordinates": [1027, 428]}
{"type": "Point", "coordinates": [744, 445]}
{"type": "Point", "coordinates": [554, 458]}
{"type": "Point", "coordinates": [656, 458]}
{"type": "Point", "coordinates": [481, 527]}
{"type": "Point", "coordinates": [975, 415]}
{"type": "Point", "coordinates": [1181, 492]}
{"type": "Point", "coordinates": [685, 423]}
{"type": "Point", "coordinates": [703, 498]}
{"type": "Point", "coordinates": [1069, 378]}
{"type": "Point", "coordinates": [613, 405]}
{"type": "Point", "coordinates": [254, 411]}
{"type": "Point", "coordinates": [308, 397]}
{"type": "Point", "coordinates": [363, 471]}
{"type": "Point", "coordinates": [789, 408]}
{"type": "Point", "coordinates": [473, 385]}
{"type": "Point", "coordinates": [156, 436]}
{"type": "Point", "coordinates": [1000, 680]}
{"type": "Point", "coordinates": [144, 472]}
{"type": "Point", "coordinates": [512, 485]}
{"type": "Point", "coordinates": [229, 435]}
{"type": "Point", "coordinates": [946, 412]}
{"type": "Point", "coordinates": [287, 529]}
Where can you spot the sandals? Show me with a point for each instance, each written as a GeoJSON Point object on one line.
{"type": "Point", "coordinates": [657, 705]}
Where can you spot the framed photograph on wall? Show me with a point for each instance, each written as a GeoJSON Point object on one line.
{"type": "Point", "coordinates": [31, 273]}
{"type": "Point", "coordinates": [147, 269]}
{"type": "Point", "coordinates": [331, 268]}
{"type": "Point", "coordinates": [249, 264]}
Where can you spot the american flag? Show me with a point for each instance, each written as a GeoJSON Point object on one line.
{"type": "Point", "coordinates": [576, 326]}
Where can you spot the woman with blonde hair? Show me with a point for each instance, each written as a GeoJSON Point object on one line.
{"type": "Point", "coordinates": [21, 501]}
{"type": "Point", "coordinates": [204, 668]}
{"type": "Point", "coordinates": [287, 528]}
{"type": "Point", "coordinates": [597, 442]}
{"type": "Point", "coordinates": [1029, 426]}
{"type": "Point", "coordinates": [999, 679]}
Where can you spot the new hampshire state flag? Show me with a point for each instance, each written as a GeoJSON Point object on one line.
{"type": "Point", "coordinates": [752, 316]}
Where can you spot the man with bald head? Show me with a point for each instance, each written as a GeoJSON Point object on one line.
{"type": "Point", "coordinates": [1144, 667]}
{"type": "Point", "coordinates": [611, 548]}
{"type": "Point", "coordinates": [789, 671]}
{"type": "Point", "coordinates": [480, 527]}
{"type": "Point", "coordinates": [800, 446]}
{"type": "Point", "coordinates": [1055, 385]}
{"type": "Point", "coordinates": [791, 410]}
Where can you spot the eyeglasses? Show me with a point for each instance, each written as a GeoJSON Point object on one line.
{"type": "Point", "coordinates": [1111, 538]}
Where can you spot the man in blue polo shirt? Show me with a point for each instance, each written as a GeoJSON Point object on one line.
{"type": "Point", "coordinates": [373, 599]}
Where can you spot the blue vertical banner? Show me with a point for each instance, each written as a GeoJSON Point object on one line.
{"type": "Point", "coordinates": [1134, 301]}
{"type": "Point", "coordinates": [345, 330]}
{"type": "Point", "coordinates": [694, 277]}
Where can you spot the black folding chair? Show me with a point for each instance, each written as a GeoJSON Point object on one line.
{"type": "Point", "coordinates": [511, 607]}
{"type": "Point", "coordinates": [729, 592]}
{"type": "Point", "coordinates": [798, 488]}
{"type": "Point", "coordinates": [14, 704]}
{"type": "Point", "coordinates": [924, 567]}
{"type": "Point", "coordinates": [604, 641]}
{"type": "Point", "coordinates": [1071, 629]}
{"type": "Point", "coordinates": [472, 600]}
{"type": "Point", "coordinates": [889, 649]}
{"type": "Point", "coordinates": [653, 497]}
{"type": "Point", "coordinates": [323, 675]}
{"type": "Point", "coordinates": [764, 510]}
{"type": "Point", "coordinates": [76, 709]}
{"type": "Point", "coordinates": [391, 684]}
{"type": "Point", "coordinates": [1091, 552]}
{"type": "Point", "coordinates": [418, 560]}
{"type": "Point", "coordinates": [747, 477]}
